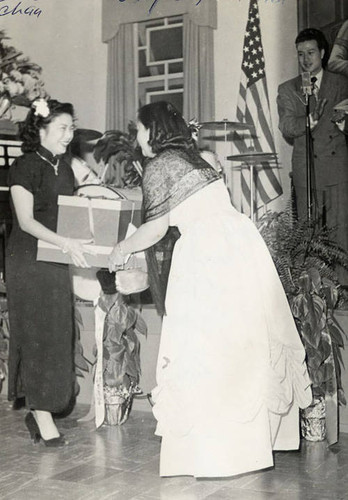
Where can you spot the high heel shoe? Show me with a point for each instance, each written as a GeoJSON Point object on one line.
{"type": "Point", "coordinates": [32, 427]}
{"type": "Point", "coordinates": [35, 433]}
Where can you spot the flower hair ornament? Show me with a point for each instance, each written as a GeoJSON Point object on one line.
{"type": "Point", "coordinates": [171, 109]}
{"type": "Point", "coordinates": [41, 108]}
{"type": "Point", "coordinates": [194, 125]}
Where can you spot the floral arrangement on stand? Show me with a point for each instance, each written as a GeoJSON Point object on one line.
{"type": "Point", "coordinates": [306, 258]}
{"type": "Point", "coordinates": [121, 165]}
{"type": "Point", "coordinates": [20, 79]}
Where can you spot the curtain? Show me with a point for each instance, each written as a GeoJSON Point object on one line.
{"type": "Point", "coordinates": [198, 74]}
{"type": "Point", "coordinates": [118, 12]}
{"type": "Point", "coordinates": [199, 94]}
{"type": "Point", "coordinates": [120, 92]}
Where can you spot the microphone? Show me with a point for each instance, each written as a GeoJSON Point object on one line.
{"type": "Point", "coordinates": [307, 86]}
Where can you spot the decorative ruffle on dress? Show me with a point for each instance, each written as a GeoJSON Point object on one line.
{"type": "Point", "coordinates": [231, 373]}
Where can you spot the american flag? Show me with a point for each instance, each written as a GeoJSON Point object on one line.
{"type": "Point", "coordinates": [253, 108]}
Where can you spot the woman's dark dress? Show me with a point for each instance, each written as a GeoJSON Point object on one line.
{"type": "Point", "coordinates": [39, 295]}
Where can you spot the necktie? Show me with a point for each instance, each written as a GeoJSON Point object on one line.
{"type": "Point", "coordinates": [315, 87]}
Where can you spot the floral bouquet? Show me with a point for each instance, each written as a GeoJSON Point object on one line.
{"type": "Point", "coordinates": [20, 79]}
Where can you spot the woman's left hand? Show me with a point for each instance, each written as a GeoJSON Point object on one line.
{"type": "Point", "coordinates": [116, 258]}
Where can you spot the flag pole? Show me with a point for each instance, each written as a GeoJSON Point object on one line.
{"type": "Point", "coordinates": [251, 192]}
{"type": "Point", "coordinates": [253, 108]}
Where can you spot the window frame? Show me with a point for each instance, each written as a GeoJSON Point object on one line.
{"type": "Point", "coordinates": [165, 78]}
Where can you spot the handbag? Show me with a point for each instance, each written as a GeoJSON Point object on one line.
{"type": "Point", "coordinates": [132, 278]}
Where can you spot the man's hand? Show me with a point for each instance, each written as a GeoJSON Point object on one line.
{"type": "Point", "coordinates": [338, 116]}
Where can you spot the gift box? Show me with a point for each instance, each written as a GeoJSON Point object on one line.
{"type": "Point", "coordinates": [105, 221]}
{"type": "Point", "coordinates": [51, 253]}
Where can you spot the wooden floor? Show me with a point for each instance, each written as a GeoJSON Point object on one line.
{"type": "Point", "coordinates": [121, 463]}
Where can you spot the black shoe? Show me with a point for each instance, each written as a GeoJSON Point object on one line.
{"type": "Point", "coordinates": [32, 427]}
{"type": "Point", "coordinates": [35, 433]}
{"type": "Point", "coordinates": [18, 404]}
{"type": "Point", "coordinates": [55, 442]}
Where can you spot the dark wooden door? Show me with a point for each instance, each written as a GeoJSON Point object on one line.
{"type": "Point", "coordinates": [326, 15]}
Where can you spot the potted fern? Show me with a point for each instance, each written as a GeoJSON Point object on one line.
{"type": "Point", "coordinates": [306, 258]}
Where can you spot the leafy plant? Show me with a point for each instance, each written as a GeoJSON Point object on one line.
{"type": "Point", "coordinates": [306, 258]}
{"type": "Point", "coordinates": [81, 362]}
{"type": "Point", "coordinates": [121, 157]}
{"type": "Point", "coordinates": [121, 346]}
{"type": "Point", "coordinates": [4, 343]}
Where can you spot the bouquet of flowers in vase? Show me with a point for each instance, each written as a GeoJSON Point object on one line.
{"type": "Point", "coordinates": [20, 79]}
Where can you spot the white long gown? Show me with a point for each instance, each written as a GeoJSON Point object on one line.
{"type": "Point", "coordinates": [231, 374]}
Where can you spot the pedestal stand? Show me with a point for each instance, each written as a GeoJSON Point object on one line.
{"type": "Point", "coordinates": [253, 160]}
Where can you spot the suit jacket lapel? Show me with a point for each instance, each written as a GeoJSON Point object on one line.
{"type": "Point", "coordinates": [323, 91]}
{"type": "Point", "coordinates": [298, 83]}
{"type": "Point", "coordinates": [297, 90]}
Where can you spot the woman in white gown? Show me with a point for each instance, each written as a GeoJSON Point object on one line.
{"type": "Point", "coordinates": [231, 374]}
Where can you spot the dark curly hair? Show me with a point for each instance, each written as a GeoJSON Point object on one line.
{"type": "Point", "coordinates": [168, 129]}
{"type": "Point", "coordinates": [29, 133]}
{"type": "Point", "coordinates": [314, 34]}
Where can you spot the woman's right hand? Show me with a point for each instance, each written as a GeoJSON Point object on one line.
{"type": "Point", "coordinates": [76, 249]}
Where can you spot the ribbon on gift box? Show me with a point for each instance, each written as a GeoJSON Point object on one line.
{"type": "Point", "coordinates": [91, 216]}
{"type": "Point", "coordinates": [100, 211]}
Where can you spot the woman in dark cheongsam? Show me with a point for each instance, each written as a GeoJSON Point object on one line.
{"type": "Point", "coordinates": [39, 293]}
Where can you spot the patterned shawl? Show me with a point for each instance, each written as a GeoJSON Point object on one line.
{"type": "Point", "coordinates": [171, 177]}
{"type": "Point", "coordinates": [168, 179]}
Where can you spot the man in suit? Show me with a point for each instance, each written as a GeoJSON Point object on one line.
{"type": "Point", "coordinates": [327, 130]}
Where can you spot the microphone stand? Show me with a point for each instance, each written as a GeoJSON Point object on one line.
{"type": "Point", "coordinates": [309, 162]}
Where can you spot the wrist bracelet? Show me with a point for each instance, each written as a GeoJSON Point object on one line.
{"type": "Point", "coordinates": [65, 247]}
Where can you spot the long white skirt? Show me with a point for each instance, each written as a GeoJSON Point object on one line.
{"type": "Point", "coordinates": [231, 374]}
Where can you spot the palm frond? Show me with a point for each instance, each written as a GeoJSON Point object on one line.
{"type": "Point", "coordinates": [119, 150]}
